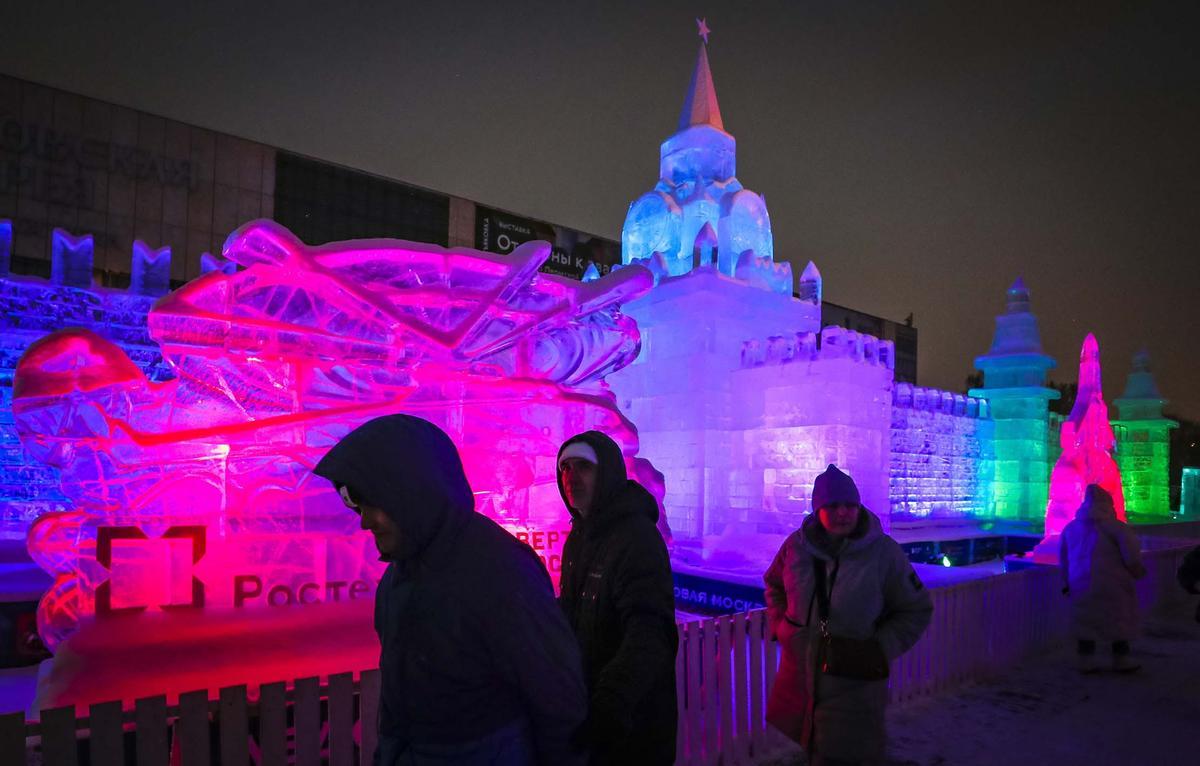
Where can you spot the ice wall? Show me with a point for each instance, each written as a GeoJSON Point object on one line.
{"type": "Point", "coordinates": [809, 400]}
{"type": "Point", "coordinates": [29, 309]}
{"type": "Point", "coordinates": [942, 457]}
{"type": "Point", "coordinates": [690, 407]}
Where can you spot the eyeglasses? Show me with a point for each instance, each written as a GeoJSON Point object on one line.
{"type": "Point", "coordinates": [344, 492]}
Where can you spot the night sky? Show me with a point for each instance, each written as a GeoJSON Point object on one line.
{"type": "Point", "coordinates": [924, 155]}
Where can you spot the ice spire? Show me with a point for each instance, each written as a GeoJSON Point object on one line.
{"type": "Point", "coordinates": [1018, 297]}
{"type": "Point", "coordinates": [810, 285]}
{"type": "Point", "coordinates": [1140, 383]}
{"type": "Point", "coordinates": [700, 106]}
{"type": "Point", "coordinates": [1087, 442]}
{"type": "Point", "coordinates": [1090, 391]}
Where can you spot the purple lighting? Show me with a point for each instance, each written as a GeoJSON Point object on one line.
{"type": "Point", "coordinates": [198, 490]}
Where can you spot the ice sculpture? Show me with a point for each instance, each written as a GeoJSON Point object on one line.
{"type": "Point", "coordinates": [198, 491]}
{"type": "Point", "coordinates": [1144, 444]}
{"type": "Point", "coordinates": [699, 215]}
{"type": "Point", "coordinates": [1014, 375]}
{"type": "Point", "coordinates": [1087, 447]}
{"type": "Point", "coordinates": [739, 395]}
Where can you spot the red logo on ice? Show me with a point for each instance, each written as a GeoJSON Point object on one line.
{"type": "Point", "coordinates": [146, 572]}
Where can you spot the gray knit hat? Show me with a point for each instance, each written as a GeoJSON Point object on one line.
{"type": "Point", "coordinates": [832, 487]}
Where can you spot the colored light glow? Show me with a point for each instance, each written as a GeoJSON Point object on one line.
{"type": "Point", "coordinates": [1087, 441]}
{"type": "Point", "coordinates": [1144, 444]}
{"type": "Point", "coordinates": [699, 215]}
{"type": "Point", "coordinates": [1189, 502]}
{"type": "Point", "coordinates": [198, 490]}
{"type": "Point", "coordinates": [946, 561]}
{"type": "Point", "coordinates": [1014, 372]}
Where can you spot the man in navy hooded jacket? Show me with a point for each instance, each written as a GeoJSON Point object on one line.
{"type": "Point", "coordinates": [617, 592]}
{"type": "Point", "coordinates": [478, 664]}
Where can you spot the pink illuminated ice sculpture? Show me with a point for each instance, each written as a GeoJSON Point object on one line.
{"type": "Point", "coordinates": [198, 492]}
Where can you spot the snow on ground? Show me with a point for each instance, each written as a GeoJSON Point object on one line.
{"type": "Point", "coordinates": [1045, 712]}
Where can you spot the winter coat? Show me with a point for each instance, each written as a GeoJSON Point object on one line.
{"type": "Point", "coordinates": [477, 662]}
{"type": "Point", "coordinates": [876, 595]}
{"type": "Point", "coordinates": [1099, 558]}
{"type": "Point", "coordinates": [618, 594]}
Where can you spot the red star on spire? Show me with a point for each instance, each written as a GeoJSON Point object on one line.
{"type": "Point", "coordinates": [704, 30]}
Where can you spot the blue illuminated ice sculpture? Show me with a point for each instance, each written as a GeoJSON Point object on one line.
{"type": "Point", "coordinates": [699, 214]}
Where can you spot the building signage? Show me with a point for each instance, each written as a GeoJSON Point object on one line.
{"type": "Point", "coordinates": [694, 593]}
{"type": "Point", "coordinates": [571, 253]}
{"type": "Point", "coordinates": [57, 167]}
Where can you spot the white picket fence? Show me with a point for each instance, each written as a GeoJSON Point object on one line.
{"type": "Point", "coordinates": [724, 670]}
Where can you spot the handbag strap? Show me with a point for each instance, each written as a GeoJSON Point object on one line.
{"type": "Point", "coordinates": [822, 592]}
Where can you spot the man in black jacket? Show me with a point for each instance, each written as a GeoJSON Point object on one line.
{"type": "Point", "coordinates": [617, 593]}
{"type": "Point", "coordinates": [477, 663]}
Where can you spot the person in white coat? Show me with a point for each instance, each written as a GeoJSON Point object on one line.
{"type": "Point", "coordinates": [1100, 558]}
{"type": "Point", "coordinates": [843, 601]}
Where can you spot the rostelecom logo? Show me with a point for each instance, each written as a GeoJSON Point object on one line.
{"type": "Point", "coordinates": [147, 572]}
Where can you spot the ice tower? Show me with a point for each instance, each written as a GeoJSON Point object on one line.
{"type": "Point", "coordinates": [699, 214]}
{"type": "Point", "coordinates": [1143, 444]}
{"type": "Point", "coordinates": [740, 398]}
{"type": "Point", "coordinates": [1014, 375]}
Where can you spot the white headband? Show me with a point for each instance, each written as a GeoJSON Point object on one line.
{"type": "Point", "coordinates": [581, 450]}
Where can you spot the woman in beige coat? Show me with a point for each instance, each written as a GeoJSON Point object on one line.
{"type": "Point", "coordinates": [1100, 558]}
{"type": "Point", "coordinates": [841, 565]}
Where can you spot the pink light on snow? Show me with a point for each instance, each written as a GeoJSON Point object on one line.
{"type": "Point", "coordinates": [198, 491]}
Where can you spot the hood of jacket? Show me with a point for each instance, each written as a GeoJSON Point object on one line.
{"type": "Point", "coordinates": [408, 468]}
{"type": "Point", "coordinates": [616, 494]}
{"type": "Point", "coordinates": [817, 540]}
{"type": "Point", "coordinates": [1097, 506]}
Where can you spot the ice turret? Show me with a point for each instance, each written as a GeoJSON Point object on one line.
{"type": "Point", "coordinates": [699, 215]}
{"type": "Point", "coordinates": [810, 285]}
{"type": "Point", "coordinates": [1144, 444]}
{"type": "Point", "coordinates": [1014, 374]}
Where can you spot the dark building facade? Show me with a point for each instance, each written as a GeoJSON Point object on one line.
{"type": "Point", "coordinates": [902, 334]}
{"type": "Point", "coordinates": [90, 167]}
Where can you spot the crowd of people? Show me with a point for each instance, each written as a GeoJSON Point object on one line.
{"type": "Point", "coordinates": [481, 663]}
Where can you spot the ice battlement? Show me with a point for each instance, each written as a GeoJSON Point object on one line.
{"type": "Point", "coordinates": [72, 257]}
{"type": "Point", "coordinates": [764, 273]}
{"type": "Point", "coordinates": [831, 343]}
{"type": "Point", "coordinates": [908, 396]}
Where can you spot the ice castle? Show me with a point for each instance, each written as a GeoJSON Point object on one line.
{"type": "Point", "coordinates": [710, 362]}
{"type": "Point", "coordinates": [739, 395]}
